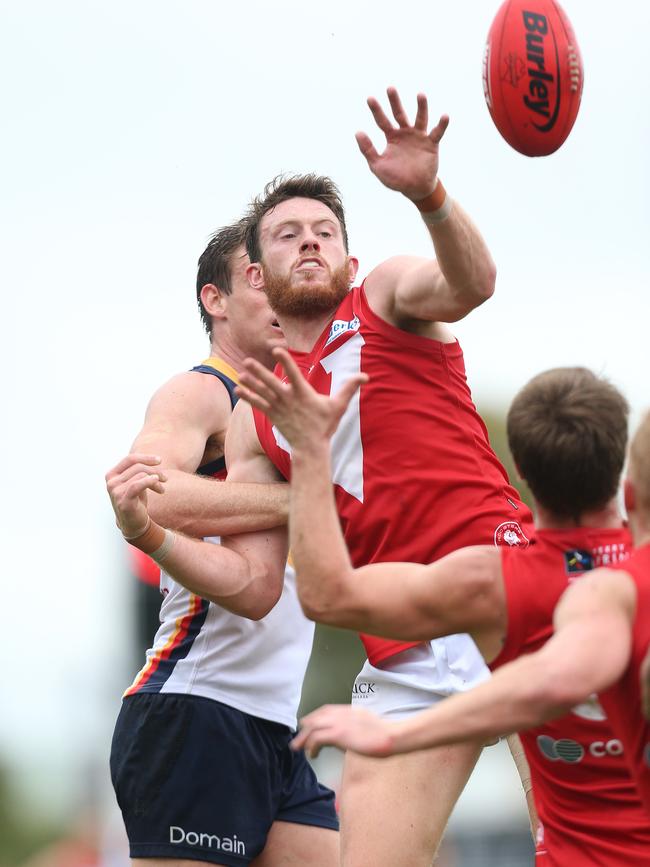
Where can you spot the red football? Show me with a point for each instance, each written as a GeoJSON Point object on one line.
{"type": "Point", "coordinates": [532, 75]}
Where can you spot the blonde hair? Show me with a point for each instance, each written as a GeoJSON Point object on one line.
{"type": "Point", "coordinates": [639, 468]}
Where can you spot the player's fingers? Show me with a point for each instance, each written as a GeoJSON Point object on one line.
{"type": "Point", "coordinates": [399, 112]}
{"type": "Point", "coordinates": [252, 398]}
{"type": "Point", "coordinates": [130, 473]}
{"type": "Point", "coordinates": [271, 390]}
{"type": "Point", "coordinates": [347, 391]}
{"type": "Point", "coordinates": [291, 369]}
{"type": "Point", "coordinates": [366, 147]}
{"type": "Point", "coordinates": [313, 748]}
{"type": "Point", "coordinates": [253, 370]}
{"type": "Point", "coordinates": [439, 130]}
{"type": "Point", "coordinates": [422, 117]}
{"type": "Point", "coordinates": [134, 488]}
{"type": "Point", "coordinates": [150, 460]}
{"type": "Point", "coordinates": [380, 117]}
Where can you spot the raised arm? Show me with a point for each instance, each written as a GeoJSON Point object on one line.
{"type": "Point", "coordinates": [460, 593]}
{"type": "Point", "coordinates": [463, 274]}
{"type": "Point", "coordinates": [595, 612]}
{"type": "Point", "coordinates": [185, 425]}
{"type": "Point", "coordinates": [243, 574]}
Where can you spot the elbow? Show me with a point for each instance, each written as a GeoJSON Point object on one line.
{"type": "Point", "coordinates": [551, 696]}
{"type": "Point", "coordinates": [258, 606]}
{"type": "Point", "coordinates": [321, 601]}
{"type": "Point", "coordinates": [486, 285]}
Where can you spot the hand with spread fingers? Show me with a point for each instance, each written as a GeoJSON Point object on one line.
{"type": "Point", "coordinates": [302, 415]}
{"type": "Point", "coordinates": [346, 727]}
{"type": "Point", "coordinates": [127, 485]}
{"type": "Point", "coordinates": [409, 162]}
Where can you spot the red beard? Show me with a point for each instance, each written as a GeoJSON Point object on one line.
{"type": "Point", "coordinates": [306, 300]}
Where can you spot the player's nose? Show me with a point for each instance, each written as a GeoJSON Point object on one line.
{"type": "Point", "coordinates": [309, 244]}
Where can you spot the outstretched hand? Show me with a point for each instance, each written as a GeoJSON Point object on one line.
{"type": "Point", "coordinates": [300, 413]}
{"type": "Point", "coordinates": [349, 728]}
{"type": "Point", "coordinates": [127, 485]}
{"type": "Point", "coordinates": [409, 163]}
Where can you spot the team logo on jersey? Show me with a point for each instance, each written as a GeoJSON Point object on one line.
{"type": "Point", "coordinates": [571, 752]}
{"type": "Point", "coordinates": [578, 560]}
{"type": "Point", "coordinates": [510, 533]}
{"type": "Point", "coordinates": [340, 326]}
{"type": "Point", "coordinates": [562, 750]}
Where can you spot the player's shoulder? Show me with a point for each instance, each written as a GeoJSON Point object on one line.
{"type": "Point", "coordinates": [386, 275]}
{"type": "Point", "coordinates": [191, 395]}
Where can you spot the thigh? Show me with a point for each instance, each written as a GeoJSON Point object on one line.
{"type": "Point", "coordinates": [194, 779]}
{"type": "Point", "coordinates": [394, 811]}
{"type": "Point", "coordinates": [292, 845]}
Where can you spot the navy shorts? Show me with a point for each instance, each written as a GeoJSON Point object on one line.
{"type": "Point", "coordinates": [200, 780]}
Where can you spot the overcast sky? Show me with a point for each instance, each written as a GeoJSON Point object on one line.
{"type": "Point", "coordinates": [131, 130]}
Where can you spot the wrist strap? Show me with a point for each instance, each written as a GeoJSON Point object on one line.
{"type": "Point", "coordinates": [435, 207]}
{"type": "Point", "coordinates": [155, 541]}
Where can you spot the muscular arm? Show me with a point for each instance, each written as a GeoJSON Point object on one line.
{"type": "Point", "coordinates": [244, 574]}
{"type": "Point", "coordinates": [596, 612]}
{"type": "Point", "coordinates": [188, 414]}
{"type": "Point", "coordinates": [444, 289]}
{"type": "Point", "coordinates": [407, 290]}
{"type": "Point", "coordinates": [460, 593]}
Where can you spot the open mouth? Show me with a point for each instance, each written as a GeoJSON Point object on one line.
{"type": "Point", "coordinates": [309, 265]}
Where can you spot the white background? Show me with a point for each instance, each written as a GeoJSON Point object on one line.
{"type": "Point", "coordinates": [131, 130]}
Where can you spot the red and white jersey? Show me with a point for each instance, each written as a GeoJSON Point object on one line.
{"type": "Point", "coordinates": [623, 701]}
{"type": "Point", "coordinates": [589, 809]}
{"type": "Point", "coordinates": [415, 477]}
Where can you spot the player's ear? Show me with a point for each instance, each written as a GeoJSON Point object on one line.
{"type": "Point", "coordinates": [214, 300]}
{"type": "Point", "coordinates": [353, 267]}
{"type": "Point", "coordinates": [255, 275]}
{"type": "Point", "coordinates": [629, 495]}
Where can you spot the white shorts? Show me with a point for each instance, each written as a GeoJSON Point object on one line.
{"type": "Point", "coordinates": [419, 677]}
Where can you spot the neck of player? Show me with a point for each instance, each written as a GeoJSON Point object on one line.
{"type": "Point", "coordinates": [301, 333]}
{"type": "Point", "coordinates": [609, 517]}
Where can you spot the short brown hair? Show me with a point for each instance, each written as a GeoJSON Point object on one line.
{"type": "Point", "coordinates": [567, 431]}
{"type": "Point", "coordinates": [639, 470]}
{"type": "Point", "coordinates": [285, 187]}
{"type": "Point", "coordinates": [215, 264]}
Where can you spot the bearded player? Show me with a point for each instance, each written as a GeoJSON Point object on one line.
{"type": "Point", "coordinates": [415, 448]}
{"type": "Point", "coordinates": [414, 475]}
{"type": "Point", "coordinates": [567, 431]}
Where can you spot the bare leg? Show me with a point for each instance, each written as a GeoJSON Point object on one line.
{"type": "Point", "coordinates": [293, 845]}
{"type": "Point", "coordinates": [519, 756]}
{"type": "Point", "coordinates": [394, 811]}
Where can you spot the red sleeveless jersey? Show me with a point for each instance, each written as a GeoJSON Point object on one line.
{"type": "Point", "coordinates": [415, 477]}
{"type": "Point", "coordinates": [590, 811]}
{"type": "Point", "coordinates": [623, 701]}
